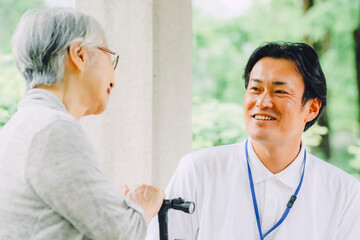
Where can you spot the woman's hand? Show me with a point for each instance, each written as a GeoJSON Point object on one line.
{"type": "Point", "coordinates": [148, 197]}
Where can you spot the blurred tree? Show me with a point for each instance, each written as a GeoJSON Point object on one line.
{"type": "Point", "coordinates": [10, 13]}
{"type": "Point", "coordinates": [320, 47]}
{"type": "Point", "coordinates": [216, 123]}
{"type": "Point", "coordinates": [355, 162]}
{"type": "Point", "coordinates": [12, 88]}
{"type": "Point", "coordinates": [357, 57]}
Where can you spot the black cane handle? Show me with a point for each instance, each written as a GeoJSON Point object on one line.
{"type": "Point", "coordinates": [176, 204]}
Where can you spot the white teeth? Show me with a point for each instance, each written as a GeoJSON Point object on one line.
{"type": "Point", "coordinates": [262, 117]}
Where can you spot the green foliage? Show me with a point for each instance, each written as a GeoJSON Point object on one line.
{"type": "Point", "coordinates": [312, 137]}
{"type": "Point", "coordinates": [216, 123]}
{"type": "Point", "coordinates": [12, 85]}
{"type": "Point", "coordinates": [10, 13]}
{"type": "Point", "coordinates": [12, 88]}
{"type": "Point", "coordinates": [355, 162]}
{"type": "Point", "coordinates": [217, 67]}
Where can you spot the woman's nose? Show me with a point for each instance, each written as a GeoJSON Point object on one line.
{"type": "Point", "coordinates": [112, 84]}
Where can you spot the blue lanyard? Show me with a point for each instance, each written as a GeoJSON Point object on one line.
{"type": "Point", "coordinates": [289, 205]}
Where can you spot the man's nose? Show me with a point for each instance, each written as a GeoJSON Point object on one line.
{"type": "Point", "coordinates": [264, 100]}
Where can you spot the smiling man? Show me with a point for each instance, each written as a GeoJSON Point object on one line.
{"type": "Point", "coordinates": [269, 186]}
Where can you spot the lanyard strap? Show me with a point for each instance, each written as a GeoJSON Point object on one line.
{"type": "Point", "coordinates": [289, 205]}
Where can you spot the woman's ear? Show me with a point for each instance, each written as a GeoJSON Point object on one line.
{"type": "Point", "coordinates": [313, 110]}
{"type": "Point", "coordinates": [77, 56]}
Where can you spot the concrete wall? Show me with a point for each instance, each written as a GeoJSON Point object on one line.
{"type": "Point", "coordinates": [146, 128]}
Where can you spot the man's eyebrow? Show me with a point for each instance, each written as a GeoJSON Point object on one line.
{"type": "Point", "coordinates": [256, 80]}
{"type": "Point", "coordinates": [277, 83]}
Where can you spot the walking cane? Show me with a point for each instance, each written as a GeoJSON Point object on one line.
{"type": "Point", "coordinates": [177, 204]}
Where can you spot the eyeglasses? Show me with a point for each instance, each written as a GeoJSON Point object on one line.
{"type": "Point", "coordinates": [114, 56]}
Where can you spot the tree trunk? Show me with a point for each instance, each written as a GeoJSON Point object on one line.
{"type": "Point", "coordinates": [320, 48]}
{"type": "Point", "coordinates": [307, 5]}
{"type": "Point", "coordinates": [325, 140]}
{"type": "Point", "coordinates": [357, 62]}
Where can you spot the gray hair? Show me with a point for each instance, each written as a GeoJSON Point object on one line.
{"type": "Point", "coordinates": [41, 40]}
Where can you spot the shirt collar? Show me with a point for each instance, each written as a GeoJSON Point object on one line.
{"type": "Point", "coordinates": [290, 176]}
{"type": "Point", "coordinates": [42, 97]}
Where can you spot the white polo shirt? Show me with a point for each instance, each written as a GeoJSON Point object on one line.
{"type": "Point", "coordinates": [216, 179]}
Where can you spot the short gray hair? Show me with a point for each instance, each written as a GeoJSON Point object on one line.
{"type": "Point", "coordinates": [41, 40]}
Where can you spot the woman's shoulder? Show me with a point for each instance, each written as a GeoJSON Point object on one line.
{"type": "Point", "coordinates": [44, 114]}
{"type": "Point", "coordinates": [58, 126]}
{"type": "Point", "coordinates": [39, 110]}
{"type": "Point", "coordinates": [30, 122]}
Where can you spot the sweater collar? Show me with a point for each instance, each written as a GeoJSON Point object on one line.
{"type": "Point", "coordinates": [42, 97]}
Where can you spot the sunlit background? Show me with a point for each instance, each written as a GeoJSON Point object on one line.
{"type": "Point", "coordinates": [225, 32]}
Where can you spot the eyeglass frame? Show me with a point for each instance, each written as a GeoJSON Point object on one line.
{"type": "Point", "coordinates": [116, 60]}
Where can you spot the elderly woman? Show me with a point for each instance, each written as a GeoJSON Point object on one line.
{"type": "Point", "coordinates": [51, 183]}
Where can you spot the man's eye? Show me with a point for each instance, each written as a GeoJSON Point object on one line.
{"type": "Point", "coordinates": [254, 89]}
{"type": "Point", "coordinates": [280, 91]}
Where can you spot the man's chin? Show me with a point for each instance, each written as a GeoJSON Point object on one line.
{"type": "Point", "coordinates": [262, 136]}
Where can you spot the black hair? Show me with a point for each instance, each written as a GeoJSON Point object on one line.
{"type": "Point", "coordinates": [307, 62]}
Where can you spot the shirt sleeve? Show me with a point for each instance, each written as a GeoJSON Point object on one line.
{"type": "Point", "coordinates": [349, 226]}
{"type": "Point", "coordinates": [180, 225]}
{"type": "Point", "coordinates": [63, 170]}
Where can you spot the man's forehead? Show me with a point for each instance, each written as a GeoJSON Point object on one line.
{"type": "Point", "coordinates": [278, 71]}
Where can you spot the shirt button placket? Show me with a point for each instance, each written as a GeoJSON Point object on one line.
{"type": "Point", "coordinates": [270, 205]}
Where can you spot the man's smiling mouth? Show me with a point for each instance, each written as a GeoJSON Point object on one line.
{"type": "Point", "coordinates": [263, 117]}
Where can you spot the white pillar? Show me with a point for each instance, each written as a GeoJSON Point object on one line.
{"type": "Point", "coordinates": [146, 128]}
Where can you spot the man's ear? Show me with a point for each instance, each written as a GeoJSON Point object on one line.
{"type": "Point", "coordinates": [76, 56]}
{"type": "Point", "coordinates": [313, 109]}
